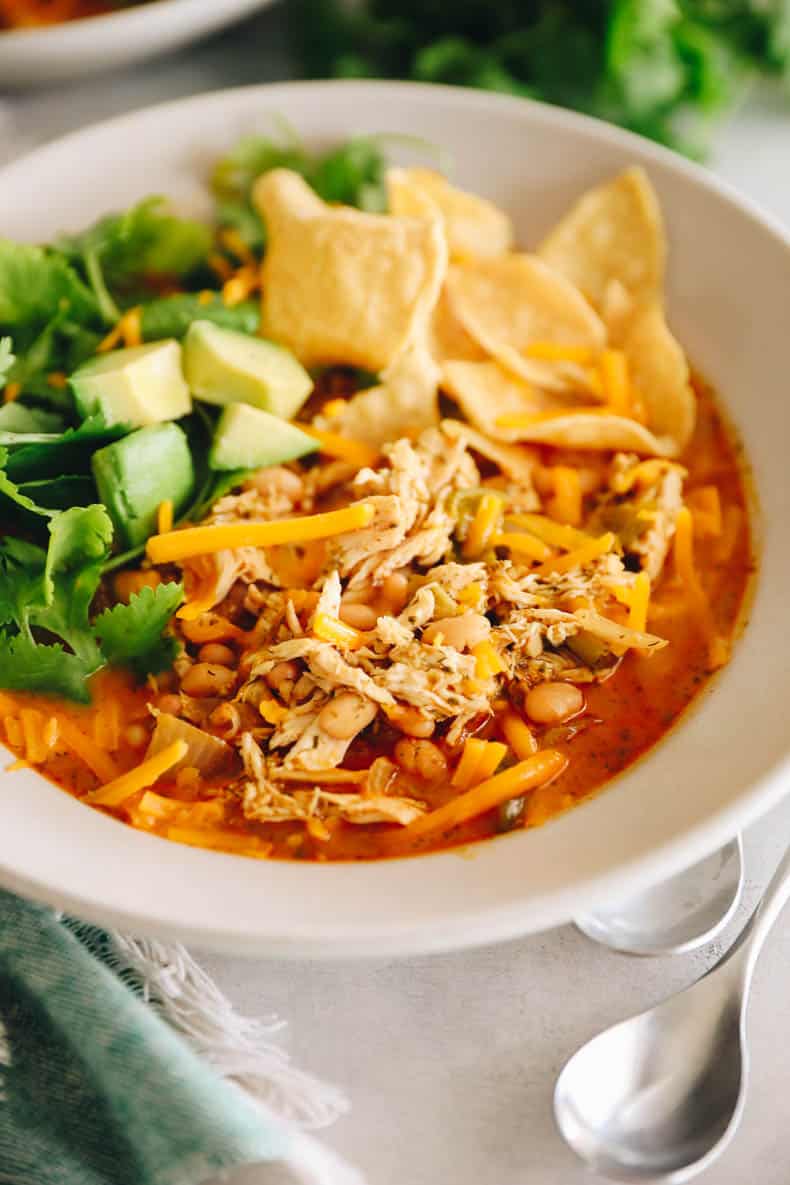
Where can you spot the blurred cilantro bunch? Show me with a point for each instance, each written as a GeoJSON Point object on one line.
{"type": "Point", "coordinates": [664, 68]}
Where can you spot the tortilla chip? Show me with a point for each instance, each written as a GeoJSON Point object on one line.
{"type": "Point", "coordinates": [404, 403]}
{"type": "Point", "coordinates": [447, 337]}
{"type": "Point", "coordinates": [507, 303]}
{"type": "Point", "coordinates": [475, 228]}
{"type": "Point", "coordinates": [659, 374]}
{"type": "Point", "coordinates": [486, 393]}
{"type": "Point", "coordinates": [516, 461]}
{"type": "Point", "coordinates": [614, 232]}
{"type": "Point", "coordinates": [342, 286]}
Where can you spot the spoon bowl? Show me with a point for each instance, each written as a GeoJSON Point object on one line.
{"type": "Point", "coordinates": [676, 916]}
{"type": "Point", "coordinates": [658, 1097]}
{"type": "Point", "coordinates": [675, 1097]}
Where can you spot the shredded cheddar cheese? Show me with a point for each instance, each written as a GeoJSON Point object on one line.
{"type": "Point", "coordinates": [491, 760]}
{"type": "Point", "coordinates": [537, 770]}
{"type": "Point", "coordinates": [519, 735]}
{"type": "Point", "coordinates": [97, 760]}
{"type": "Point", "coordinates": [551, 532]}
{"type": "Point", "coordinates": [12, 391]}
{"type": "Point", "coordinates": [639, 602]}
{"type": "Point", "coordinates": [472, 594]}
{"type": "Point", "coordinates": [524, 544]}
{"type": "Point", "coordinates": [192, 541]}
{"type": "Point", "coordinates": [332, 444]}
{"type": "Point", "coordinates": [465, 774]}
{"type": "Point", "coordinates": [332, 629]}
{"type": "Point", "coordinates": [240, 285]}
{"type": "Point", "coordinates": [483, 525]}
{"type": "Point", "coordinates": [705, 506]}
{"type": "Point", "coordinates": [116, 792]}
{"type": "Point", "coordinates": [581, 556]}
{"type": "Point", "coordinates": [566, 505]}
{"type": "Point", "coordinates": [129, 330]}
{"type": "Point", "coordinates": [488, 662]}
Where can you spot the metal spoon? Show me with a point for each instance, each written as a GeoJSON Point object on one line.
{"type": "Point", "coordinates": [659, 1096]}
{"type": "Point", "coordinates": [676, 916]}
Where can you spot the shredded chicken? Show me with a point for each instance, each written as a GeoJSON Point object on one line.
{"type": "Point", "coordinates": [540, 625]}
{"type": "Point", "coordinates": [410, 496]}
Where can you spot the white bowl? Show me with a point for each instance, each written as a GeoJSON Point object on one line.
{"type": "Point", "coordinates": [724, 764]}
{"type": "Point", "coordinates": [54, 53]}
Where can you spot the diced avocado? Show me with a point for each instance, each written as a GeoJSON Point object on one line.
{"type": "Point", "coordinates": [135, 474]}
{"type": "Point", "coordinates": [248, 438]}
{"type": "Point", "coordinates": [137, 386]}
{"type": "Point", "coordinates": [224, 366]}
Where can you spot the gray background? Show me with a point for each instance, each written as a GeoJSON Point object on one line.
{"type": "Point", "coordinates": [450, 1060]}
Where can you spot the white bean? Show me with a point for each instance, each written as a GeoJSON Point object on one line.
{"type": "Point", "coordinates": [553, 703]}
{"type": "Point", "coordinates": [462, 632]}
{"type": "Point", "coordinates": [346, 714]}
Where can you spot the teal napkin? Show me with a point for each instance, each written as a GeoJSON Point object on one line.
{"type": "Point", "coordinates": [96, 1089]}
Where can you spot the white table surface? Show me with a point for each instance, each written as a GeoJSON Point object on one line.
{"type": "Point", "coordinates": [450, 1060]}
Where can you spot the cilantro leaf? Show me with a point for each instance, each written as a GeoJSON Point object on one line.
{"type": "Point", "coordinates": [21, 570]}
{"type": "Point", "coordinates": [80, 541]}
{"type": "Point", "coordinates": [34, 285]}
{"type": "Point", "coordinates": [132, 634]}
{"type": "Point", "coordinates": [27, 666]}
{"type": "Point", "coordinates": [61, 493]}
{"type": "Point", "coordinates": [7, 359]}
{"type": "Point", "coordinates": [41, 356]}
{"type": "Point", "coordinates": [10, 491]}
{"type": "Point", "coordinates": [69, 453]}
{"type": "Point", "coordinates": [171, 316]}
{"type": "Point", "coordinates": [146, 240]}
{"type": "Point", "coordinates": [52, 591]}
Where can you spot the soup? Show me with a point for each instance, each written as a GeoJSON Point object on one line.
{"type": "Point", "coordinates": [401, 613]}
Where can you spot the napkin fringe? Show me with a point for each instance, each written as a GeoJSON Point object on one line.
{"type": "Point", "coordinates": [240, 1049]}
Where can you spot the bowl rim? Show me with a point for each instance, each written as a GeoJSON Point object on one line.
{"type": "Point", "coordinates": [433, 931]}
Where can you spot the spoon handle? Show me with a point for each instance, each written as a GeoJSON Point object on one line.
{"type": "Point", "coordinates": [750, 942]}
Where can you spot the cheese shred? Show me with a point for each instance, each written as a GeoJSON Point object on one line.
{"type": "Point", "coordinates": [116, 792]}
{"type": "Point", "coordinates": [192, 541]}
{"type": "Point", "coordinates": [483, 525]}
{"type": "Point", "coordinates": [580, 557]}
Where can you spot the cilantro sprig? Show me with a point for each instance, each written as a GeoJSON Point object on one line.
{"type": "Point", "coordinates": [48, 641]}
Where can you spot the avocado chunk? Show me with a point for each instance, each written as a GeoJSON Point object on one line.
{"type": "Point", "coordinates": [135, 474]}
{"type": "Point", "coordinates": [224, 366]}
{"type": "Point", "coordinates": [248, 438]}
{"type": "Point", "coordinates": [137, 386]}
